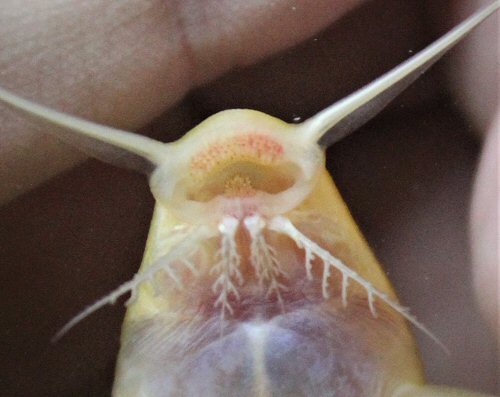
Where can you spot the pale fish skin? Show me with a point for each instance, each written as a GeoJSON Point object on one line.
{"type": "Point", "coordinates": [175, 343]}
{"type": "Point", "coordinates": [256, 281]}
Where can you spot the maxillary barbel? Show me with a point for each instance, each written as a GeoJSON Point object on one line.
{"type": "Point", "coordinates": [264, 260]}
{"type": "Point", "coordinates": [227, 267]}
{"type": "Point", "coordinates": [269, 271]}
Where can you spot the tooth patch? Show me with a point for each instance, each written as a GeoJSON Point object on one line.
{"type": "Point", "coordinates": [242, 147]}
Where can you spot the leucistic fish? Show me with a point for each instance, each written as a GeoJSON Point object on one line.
{"type": "Point", "coordinates": [255, 279]}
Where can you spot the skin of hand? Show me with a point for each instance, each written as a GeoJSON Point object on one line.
{"type": "Point", "coordinates": [124, 65]}
{"type": "Point", "coordinates": [477, 85]}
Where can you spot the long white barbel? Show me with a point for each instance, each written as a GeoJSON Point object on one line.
{"type": "Point", "coordinates": [147, 148]}
{"type": "Point", "coordinates": [326, 127]}
{"type": "Point", "coordinates": [343, 117]}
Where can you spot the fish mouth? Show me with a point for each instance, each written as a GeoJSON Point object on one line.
{"type": "Point", "coordinates": [241, 179]}
{"type": "Point", "coordinates": [258, 171]}
{"type": "Point", "coordinates": [240, 188]}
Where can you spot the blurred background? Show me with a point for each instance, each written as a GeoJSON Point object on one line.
{"type": "Point", "coordinates": [407, 177]}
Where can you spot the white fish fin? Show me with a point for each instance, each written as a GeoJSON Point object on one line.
{"type": "Point", "coordinates": [106, 143]}
{"type": "Point", "coordinates": [283, 225]}
{"type": "Point", "coordinates": [345, 116]}
{"type": "Point", "coordinates": [181, 251]}
{"type": "Point", "coordinates": [227, 268]}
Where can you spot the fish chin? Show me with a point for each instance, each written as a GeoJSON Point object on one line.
{"type": "Point", "coordinates": [293, 354]}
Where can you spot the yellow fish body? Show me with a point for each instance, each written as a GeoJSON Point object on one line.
{"type": "Point", "coordinates": [255, 280]}
{"type": "Point", "coordinates": [272, 332]}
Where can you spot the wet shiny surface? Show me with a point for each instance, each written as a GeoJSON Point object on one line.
{"type": "Point", "coordinates": [304, 352]}
{"type": "Point", "coordinates": [77, 238]}
{"type": "Point", "coordinates": [407, 183]}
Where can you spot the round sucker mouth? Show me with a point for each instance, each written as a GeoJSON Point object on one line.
{"type": "Point", "coordinates": [242, 179]}
{"type": "Point", "coordinates": [251, 146]}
